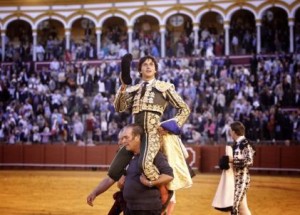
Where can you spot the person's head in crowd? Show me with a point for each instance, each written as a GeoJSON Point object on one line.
{"type": "Point", "coordinates": [120, 138]}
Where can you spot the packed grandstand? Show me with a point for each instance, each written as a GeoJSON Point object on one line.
{"type": "Point", "coordinates": [59, 78]}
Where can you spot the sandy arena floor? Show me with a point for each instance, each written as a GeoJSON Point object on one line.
{"type": "Point", "coordinates": [64, 193]}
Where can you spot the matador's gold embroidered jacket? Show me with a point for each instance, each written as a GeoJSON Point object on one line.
{"type": "Point", "coordinates": [156, 98]}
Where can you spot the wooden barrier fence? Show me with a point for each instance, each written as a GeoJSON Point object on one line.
{"type": "Point", "coordinates": [203, 158]}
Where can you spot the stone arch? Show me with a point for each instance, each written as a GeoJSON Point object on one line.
{"type": "Point", "coordinates": [149, 12]}
{"type": "Point", "coordinates": [179, 27]}
{"type": "Point", "coordinates": [108, 15]}
{"type": "Point", "coordinates": [146, 36]}
{"type": "Point", "coordinates": [14, 17]}
{"type": "Point", "coordinates": [83, 30]}
{"type": "Point", "coordinates": [297, 30]}
{"type": "Point", "coordinates": [297, 16]}
{"type": "Point", "coordinates": [264, 7]}
{"type": "Point", "coordinates": [114, 30]}
{"type": "Point", "coordinates": [50, 34]}
{"type": "Point", "coordinates": [147, 16]}
{"type": "Point", "coordinates": [235, 8]}
{"type": "Point", "coordinates": [294, 10]}
{"type": "Point", "coordinates": [242, 32]}
{"type": "Point", "coordinates": [211, 34]}
{"type": "Point", "coordinates": [44, 17]}
{"type": "Point", "coordinates": [174, 11]}
{"type": "Point", "coordinates": [215, 9]}
{"type": "Point", "coordinates": [274, 30]}
{"type": "Point", "coordinates": [20, 36]}
{"type": "Point", "coordinates": [50, 28]}
{"type": "Point", "coordinates": [72, 18]}
{"type": "Point", "coordinates": [204, 15]}
{"type": "Point", "coordinates": [18, 26]}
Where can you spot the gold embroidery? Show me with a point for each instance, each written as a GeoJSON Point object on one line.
{"type": "Point", "coordinates": [183, 109]}
{"type": "Point", "coordinates": [133, 100]}
{"type": "Point", "coordinates": [121, 100]}
{"type": "Point", "coordinates": [150, 100]}
{"type": "Point", "coordinates": [133, 88]}
{"type": "Point", "coordinates": [147, 107]}
{"type": "Point", "coordinates": [151, 95]}
{"type": "Point", "coordinates": [148, 97]}
{"type": "Point", "coordinates": [162, 86]}
{"type": "Point", "coordinates": [153, 146]}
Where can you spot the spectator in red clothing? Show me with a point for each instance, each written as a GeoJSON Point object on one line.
{"type": "Point", "coordinates": [89, 125]}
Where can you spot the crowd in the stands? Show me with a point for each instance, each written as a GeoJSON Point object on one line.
{"type": "Point", "coordinates": [73, 102]}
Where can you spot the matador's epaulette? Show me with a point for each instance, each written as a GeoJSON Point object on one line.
{"type": "Point", "coordinates": [133, 88]}
{"type": "Point", "coordinates": [244, 143]}
{"type": "Point", "coordinates": [162, 86]}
